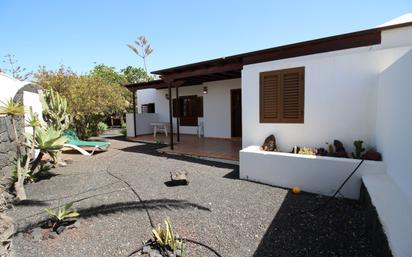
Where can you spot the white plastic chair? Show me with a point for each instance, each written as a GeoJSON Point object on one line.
{"type": "Point", "coordinates": [200, 129]}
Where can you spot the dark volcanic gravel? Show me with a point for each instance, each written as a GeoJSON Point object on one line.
{"type": "Point", "coordinates": [237, 218]}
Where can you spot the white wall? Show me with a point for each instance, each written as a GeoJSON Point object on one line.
{"type": "Point", "coordinates": [217, 109]}
{"type": "Point", "coordinates": [340, 98]}
{"type": "Point", "coordinates": [216, 106]}
{"type": "Point", "coordinates": [32, 100]}
{"type": "Point", "coordinates": [143, 121]}
{"type": "Point", "coordinates": [9, 87]}
{"type": "Point", "coordinates": [315, 174]}
{"type": "Point", "coordinates": [394, 121]}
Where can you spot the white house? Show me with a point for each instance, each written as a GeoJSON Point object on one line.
{"type": "Point", "coordinates": [347, 87]}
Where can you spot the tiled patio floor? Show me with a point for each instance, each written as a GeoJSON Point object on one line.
{"type": "Point", "coordinates": [227, 149]}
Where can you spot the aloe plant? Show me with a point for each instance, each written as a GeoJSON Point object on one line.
{"type": "Point", "coordinates": [167, 238]}
{"type": "Point", "coordinates": [61, 214]}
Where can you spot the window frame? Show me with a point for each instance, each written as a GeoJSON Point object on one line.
{"type": "Point", "coordinates": [280, 115]}
{"type": "Point", "coordinates": [196, 109]}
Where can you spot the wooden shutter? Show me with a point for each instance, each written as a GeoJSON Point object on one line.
{"type": "Point", "coordinates": [282, 96]}
{"type": "Point", "coordinates": [292, 96]}
{"type": "Point", "coordinates": [270, 97]}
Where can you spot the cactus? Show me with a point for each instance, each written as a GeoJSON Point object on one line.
{"type": "Point", "coordinates": [330, 149]}
{"type": "Point", "coordinates": [358, 149]}
{"type": "Point", "coordinates": [55, 111]}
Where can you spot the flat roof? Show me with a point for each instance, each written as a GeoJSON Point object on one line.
{"type": "Point", "coordinates": [231, 66]}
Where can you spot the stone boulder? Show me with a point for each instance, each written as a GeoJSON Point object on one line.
{"type": "Point", "coordinates": [339, 149]}
{"type": "Point", "coordinates": [372, 155]}
{"type": "Point", "coordinates": [269, 144]}
{"type": "Point", "coordinates": [179, 177]}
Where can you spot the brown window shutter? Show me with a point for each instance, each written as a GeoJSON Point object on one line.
{"type": "Point", "coordinates": [270, 97]}
{"type": "Point", "coordinates": [292, 105]}
{"type": "Point", "coordinates": [282, 96]}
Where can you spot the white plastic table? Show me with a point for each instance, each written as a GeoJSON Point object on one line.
{"type": "Point", "coordinates": [159, 126]}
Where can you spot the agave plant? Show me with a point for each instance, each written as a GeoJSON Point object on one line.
{"type": "Point", "coordinates": [61, 213]}
{"type": "Point", "coordinates": [166, 238]}
{"type": "Point", "coordinates": [48, 141]}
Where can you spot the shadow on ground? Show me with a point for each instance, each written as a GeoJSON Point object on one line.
{"type": "Point", "coordinates": [299, 229]}
{"type": "Point", "coordinates": [107, 209]}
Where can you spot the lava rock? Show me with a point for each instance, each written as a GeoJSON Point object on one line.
{"type": "Point", "coordinates": [60, 229]}
{"type": "Point", "coordinates": [339, 149]}
{"type": "Point", "coordinates": [372, 155]}
{"type": "Point", "coordinates": [269, 144]}
{"type": "Point", "coordinates": [321, 152]}
{"type": "Point", "coordinates": [179, 177]}
{"type": "Point", "coordinates": [76, 224]}
{"type": "Point", "coordinates": [52, 235]}
{"type": "Point", "coordinates": [146, 249]}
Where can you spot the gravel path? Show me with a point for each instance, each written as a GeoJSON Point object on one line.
{"type": "Point", "coordinates": [235, 217]}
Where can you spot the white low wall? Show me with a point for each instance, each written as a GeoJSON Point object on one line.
{"type": "Point", "coordinates": [394, 212]}
{"type": "Point", "coordinates": [314, 174]}
{"type": "Point", "coordinates": [143, 121]}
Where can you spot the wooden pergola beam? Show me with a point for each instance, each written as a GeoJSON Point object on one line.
{"type": "Point", "coordinates": [203, 71]}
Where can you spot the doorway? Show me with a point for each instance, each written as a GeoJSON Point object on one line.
{"type": "Point", "coordinates": [236, 112]}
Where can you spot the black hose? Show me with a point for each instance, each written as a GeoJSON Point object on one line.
{"type": "Point", "coordinates": [136, 194]}
{"type": "Point", "coordinates": [336, 192]}
{"type": "Point", "coordinates": [187, 240]}
{"type": "Point", "coordinates": [150, 218]}
{"type": "Point", "coordinates": [135, 251]}
{"type": "Point", "coordinates": [202, 244]}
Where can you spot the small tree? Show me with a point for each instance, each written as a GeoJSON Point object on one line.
{"type": "Point", "coordinates": [142, 48]}
{"type": "Point", "coordinates": [135, 75]}
{"type": "Point", "coordinates": [15, 70]}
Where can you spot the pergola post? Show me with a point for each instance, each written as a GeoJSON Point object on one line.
{"type": "Point", "coordinates": [177, 113]}
{"type": "Point", "coordinates": [134, 112]}
{"type": "Point", "coordinates": [169, 84]}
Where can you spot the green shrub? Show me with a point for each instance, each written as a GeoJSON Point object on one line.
{"type": "Point", "coordinates": [101, 127]}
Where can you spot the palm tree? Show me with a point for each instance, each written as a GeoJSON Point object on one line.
{"type": "Point", "coordinates": [145, 49]}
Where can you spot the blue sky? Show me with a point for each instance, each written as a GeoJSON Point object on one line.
{"type": "Point", "coordinates": [78, 33]}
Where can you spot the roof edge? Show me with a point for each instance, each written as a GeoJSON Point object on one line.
{"type": "Point", "coordinates": [247, 54]}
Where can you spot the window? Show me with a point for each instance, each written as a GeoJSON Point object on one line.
{"type": "Point", "coordinates": [148, 108]}
{"type": "Point", "coordinates": [190, 108]}
{"type": "Point", "coordinates": [282, 96]}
